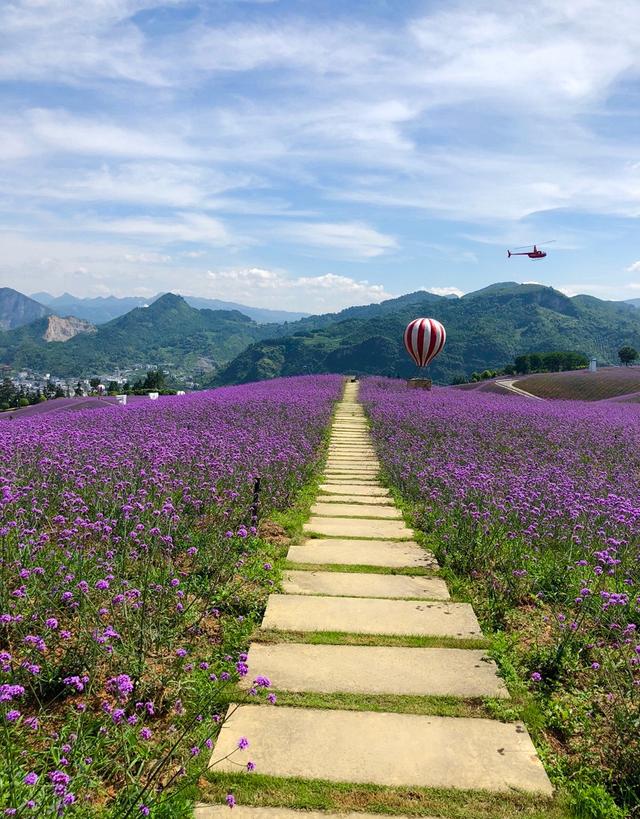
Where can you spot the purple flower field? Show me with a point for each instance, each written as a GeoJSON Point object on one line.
{"type": "Point", "coordinates": [131, 573]}
{"type": "Point", "coordinates": [537, 506]}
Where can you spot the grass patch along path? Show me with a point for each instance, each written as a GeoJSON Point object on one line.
{"type": "Point", "coordinates": [361, 721]}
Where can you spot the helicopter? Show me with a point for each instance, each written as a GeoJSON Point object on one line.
{"type": "Point", "coordinates": [536, 253]}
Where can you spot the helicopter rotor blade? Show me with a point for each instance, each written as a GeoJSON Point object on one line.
{"type": "Point", "coordinates": [550, 242]}
{"type": "Point", "coordinates": [522, 247]}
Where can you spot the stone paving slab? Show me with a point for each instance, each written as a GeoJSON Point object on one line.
{"type": "Point", "coordinates": [338, 461]}
{"type": "Point", "coordinates": [354, 489]}
{"type": "Point", "coordinates": [356, 510]}
{"type": "Point", "coordinates": [388, 553]}
{"type": "Point", "coordinates": [382, 749]}
{"type": "Point", "coordinates": [351, 470]}
{"type": "Point", "coordinates": [352, 584]}
{"type": "Point", "coordinates": [357, 527]}
{"type": "Point", "coordinates": [351, 455]}
{"type": "Point", "coordinates": [250, 812]}
{"type": "Point", "coordinates": [424, 672]}
{"type": "Point", "coordinates": [348, 480]}
{"type": "Point", "coordinates": [362, 615]}
{"type": "Point", "coordinates": [351, 459]}
{"type": "Point", "coordinates": [362, 500]}
{"type": "Point", "coordinates": [351, 439]}
{"type": "Point", "coordinates": [349, 452]}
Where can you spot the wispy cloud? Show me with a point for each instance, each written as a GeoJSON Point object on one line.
{"type": "Point", "coordinates": [272, 287]}
{"type": "Point", "coordinates": [353, 239]}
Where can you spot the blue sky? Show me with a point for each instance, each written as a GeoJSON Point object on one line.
{"type": "Point", "coordinates": [312, 154]}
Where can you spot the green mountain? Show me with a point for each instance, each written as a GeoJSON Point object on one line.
{"type": "Point", "coordinates": [485, 329]}
{"type": "Point", "coordinates": [168, 333]}
{"type": "Point", "coordinates": [17, 309]}
{"type": "Point", "coordinates": [101, 309]}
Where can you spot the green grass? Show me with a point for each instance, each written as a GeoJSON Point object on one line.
{"type": "Point", "coordinates": [360, 568]}
{"type": "Point", "coordinates": [269, 791]}
{"type": "Point", "coordinates": [341, 638]}
{"type": "Point", "coordinates": [439, 706]}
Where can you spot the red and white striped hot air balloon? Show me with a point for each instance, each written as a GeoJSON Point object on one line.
{"type": "Point", "coordinates": [424, 338]}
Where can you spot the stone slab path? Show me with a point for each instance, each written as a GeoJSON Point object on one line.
{"type": "Point", "coordinates": [356, 531]}
{"type": "Point", "coordinates": [355, 510]}
{"type": "Point", "coordinates": [377, 670]}
{"type": "Point", "coordinates": [384, 749]}
{"type": "Point", "coordinates": [390, 554]}
{"type": "Point", "coordinates": [350, 584]}
{"type": "Point", "coordinates": [358, 615]}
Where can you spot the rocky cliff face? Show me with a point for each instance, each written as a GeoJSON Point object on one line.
{"type": "Point", "coordinates": [62, 329]}
{"type": "Point", "coordinates": [17, 310]}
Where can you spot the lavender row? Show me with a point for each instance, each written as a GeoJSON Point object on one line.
{"type": "Point", "coordinates": [538, 503]}
{"type": "Point", "coordinates": [129, 569]}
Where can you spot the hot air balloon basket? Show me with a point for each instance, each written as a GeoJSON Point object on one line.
{"type": "Point", "coordinates": [419, 383]}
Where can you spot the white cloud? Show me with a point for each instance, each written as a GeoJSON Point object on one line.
{"type": "Point", "coordinates": [634, 268]}
{"type": "Point", "coordinates": [351, 239]}
{"type": "Point", "coordinates": [445, 291]}
{"type": "Point", "coordinates": [274, 288]}
{"type": "Point", "coordinates": [183, 227]}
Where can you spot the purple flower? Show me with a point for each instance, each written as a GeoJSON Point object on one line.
{"type": "Point", "coordinates": [243, 743]}
{"type": "Point", "coordinates": [31, 778]}
{"type": "Point", "coordinates": [9, 692]}
{"type": "Point", "coordinates": [230, 800]}
{"type": "Point", "coordinates": [122, 686]}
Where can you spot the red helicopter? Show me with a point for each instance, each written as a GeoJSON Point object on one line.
{"type": "Point", "coordinates": [532, 254]}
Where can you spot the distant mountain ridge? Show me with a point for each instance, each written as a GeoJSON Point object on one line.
{"type": "Point", "coordinates": [102, 309]}
{"type": "Point", "coordinates": [167, 333]}
{"type": "Point", "coordinates": [486, 329]}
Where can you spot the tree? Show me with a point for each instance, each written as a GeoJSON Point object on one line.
{"type": "Point", "coordinates": [78, 391]}
{"type": "Point", "coordinates": [627, 355]}
{"type": "Point", "coordinates": [155, 380]}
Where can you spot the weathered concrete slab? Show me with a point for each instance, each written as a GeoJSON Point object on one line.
{"type": "Point", "coordinates": [249, 812]}
{"type": "Point", "coordinates": [358, 527]}
{"type": "Point", "coordinates": [370, 478]}
{"type": "Point", "coordinates": [351, 452]}
{"type": "Point", "coordinates": [442, 672]}
{"type": "Point", "coordinates": [383, 749]}
{"type": "Point", "coordinates": [379, 501]}
{"type": "Point", "coordinates": [363, 480]}
{"type": "Point", "coordinates": [356, 462]}
{"type": "Point", "coordinates": [388, 553]}
{"type": "Point", "coordinates": [354, 489]}
{"type": "Point", "coordinates": [352, 584]}
{"type": "Point", "coordinates": [352, 438]}
{"type": "Point", "coordinates": [362, 615]}
{"type": "Point", "coordinates": [356, 510]}
{"type": "Point", "coordinates": [370, 470]}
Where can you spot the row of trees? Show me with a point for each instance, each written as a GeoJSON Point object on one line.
{"type": "Point", "coordinates": [13, 397]}
{"type": "Point", "coordinates": [154, 381]}
{"type": "Point", "coordinates": [552, 362]}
